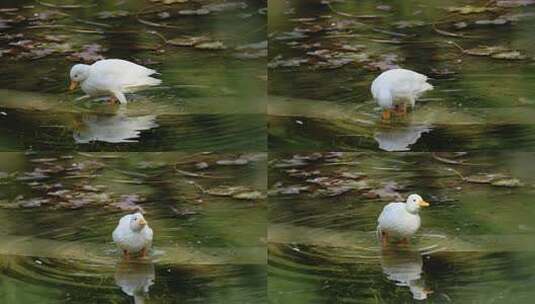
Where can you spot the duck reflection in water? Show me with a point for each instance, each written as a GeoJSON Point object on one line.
{"type": "Point", "coordinates": [403, 265]}
{"type": "Point", "coordinates": [135, 278]}
{"type": "Point", "coordinates": [401, 136]}
{"type": "Point", "coordinates": [112, 128]}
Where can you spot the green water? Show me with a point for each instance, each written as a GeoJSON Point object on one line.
{"type": "Point", "coordinates": [475, 245]}
{"type": "Point", "coordinates": [479, 103]}
{"type": "Point", "coordinates": [235, 158]}
{"type": "Point", "coordinates": [209, 99]}
{"type": "Point", "coordinates": [207, 248]}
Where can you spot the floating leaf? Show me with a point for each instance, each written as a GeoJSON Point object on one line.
{"type": "Point", "coordinates": [514, 3]}
{"type": "Point", "coordinates": [225, 6]}
{"type": "Point", "coordinates": [384, 7]}
{"type": "Point", "coordinates": [509, 183]}
{"type": "Point", "coordinates": [198, 12]}
{"type": "Point", "coordinates": [32, 203]}
{"type": "Point", "coordinates": [250, 195]}
{"type": "Point", "coordinates": [483, 178]}
{"type": "Point", "coordinates": [279, 189]}
{"type": "Point", "coordinates": [187, 41]}
{"type": "Point", "coordinates": [226, 190]}
{"type": "Point", "coordinates": [91, 53]}
{"type": "Point", "coordinates": [512, 55]}
{"type": "Point", "coordinates": [408, 24]}
{"type": "Point", "coordinates": [485, 50]}
{"type": "Point", "coordinates": [468, 9]}
{"type": "Point", "coordinates": [498, 21]}
{"type": "Point", "coordinates": [112, 14]}
{"type": "Point", "coordinates": [286, 63]}
{"type": "Point", "coordinates": [213, 45]}
{"type": "Point", "coordinates": [388, 192]}
{"type": "Point", "coordinates": [129, 202]}
{"type": "Point", "coordinates": [233, 162]}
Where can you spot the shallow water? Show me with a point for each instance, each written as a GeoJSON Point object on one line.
{"type": "Point", "coordinates": [475, 244]}
{"type": "Point", "coordinates": [209, 99]}
{"type": "Point", "coordinates": [479, 103]}
{"type": "Point", "coordinates": [58, 211]}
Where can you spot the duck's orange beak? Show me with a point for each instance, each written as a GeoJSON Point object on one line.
{"type": "Point", "coordinates": [423, 203]}
{"type": "Point", "coordinates": [73, 85]}
{"type": "Point", "coordinates": [142, 222]}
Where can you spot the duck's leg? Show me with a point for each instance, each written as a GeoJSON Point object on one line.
{"type": "Point", "coordinates": [112, 99]}
{"type": "Point", "coordinates": [126, 255]}
{"type": "Point", "coordinates": [143, 252]}
{"type": "Point", "coordinates": [384, 238]}
{"type": "Point", "coordinates": [120, 96]}
{"type": "Point", "coordinates": [387, 114]}
{"type": "Point", "coordinates": [403, 109]}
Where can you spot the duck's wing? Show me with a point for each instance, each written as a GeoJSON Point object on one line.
{"type": "Point", "coordinates": [407, 82]}
{"type": "Point", "coordinates": [123, 224]}
{"type": "Point", "coordinates": [125, 73]}
{"type": "Point", "coordinates": [119, 66]}
{"type": "Point", "coordinates": [388, 213]}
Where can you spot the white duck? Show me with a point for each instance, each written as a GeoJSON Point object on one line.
{"type": "Point", "coordinates": [400, 220]}
{"type": "Point", "coordinates": [133, 235]}
{"type": "Point", "coordinates": [112, 77]}
{"type": "Point", "coordinates": [394, 88]}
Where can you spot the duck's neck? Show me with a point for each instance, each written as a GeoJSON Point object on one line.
{"type": "Point", "coordinates": [411, 209]}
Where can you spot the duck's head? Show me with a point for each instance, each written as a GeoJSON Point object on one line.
{"type": "Point", "coordinates": [415, 202]}
{"type": "Point", "coordinates": [79, 73]}
{"type": "Point", "coordinates": [137, 222]}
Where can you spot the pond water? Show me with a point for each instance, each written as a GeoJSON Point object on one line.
{"type": "Point", "coordinates": [323, 58]}
{"type": "Point", "coordinates": [284, 208]}
{"type": "Point", "coordinates": [58, 211]}
{"type": "Point", "coordinates": [475, 244]}
{"type": "Point", "coordinates": [211, 96]}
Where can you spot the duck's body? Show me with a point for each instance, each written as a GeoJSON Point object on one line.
{"type": "Point", "coordinates": [400, 220]}
{"type": "Point", "coordinates": [396, 88]}
{"type": "Point", "coordinates": [133, 235]}
{"type": "Point", "coordinates": [112, 77]}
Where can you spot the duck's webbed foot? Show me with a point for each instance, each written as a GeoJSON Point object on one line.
{"type": "Point", "coordinates": [400, 109]}
{"type": "Point", "coordinates": [387, 114]}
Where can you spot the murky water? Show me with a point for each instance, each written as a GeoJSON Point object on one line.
{"type": "Point", "coordinates": [322, 63]}
{"type": "Point", "coordinates": [58, 212]}
{"type": "Point", "coordinates": [475, 244]}
{"type": "Point", "coordinates": [209, 98]}
{"type": "Point", "coordinates": [70, 168]}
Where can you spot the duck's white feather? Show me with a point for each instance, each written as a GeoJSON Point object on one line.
{"type": "Point", "coordinates": [399, 85]}
{"type": "Point", "coordinates": [129, 240]}
{"type": "Point", "coordinates": [397, 221]}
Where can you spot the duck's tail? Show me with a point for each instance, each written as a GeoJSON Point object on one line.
{"type": "Point", "coordinates": [151, 81]}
